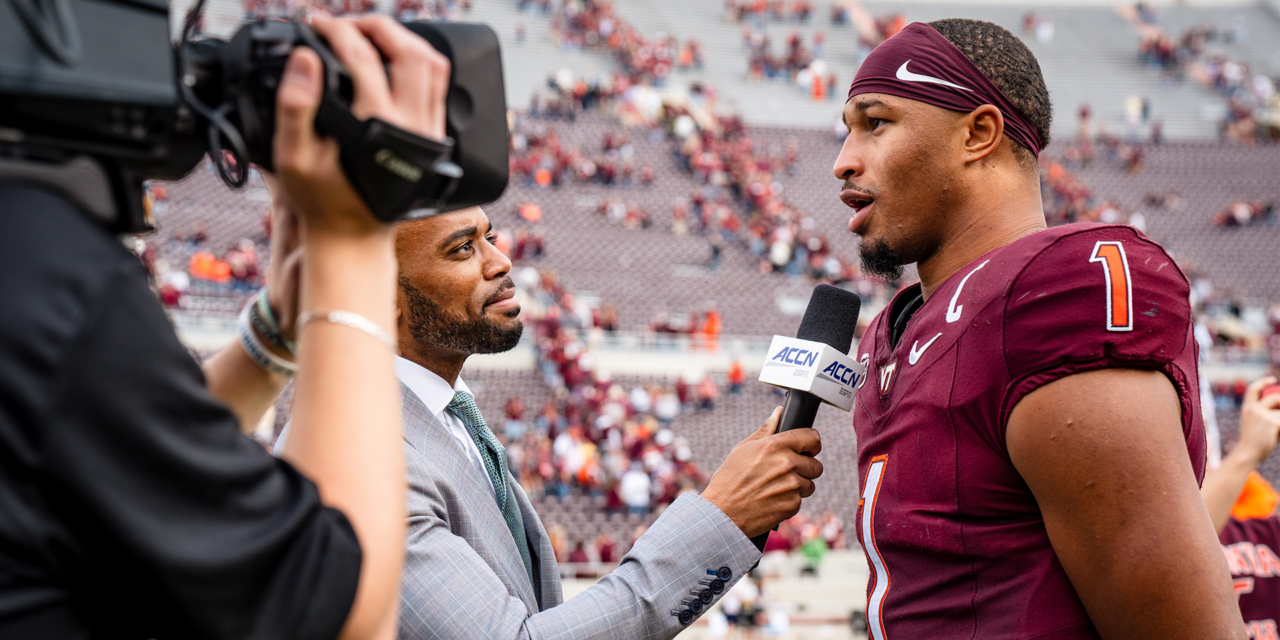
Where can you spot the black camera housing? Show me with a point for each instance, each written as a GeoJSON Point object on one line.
{"type": "Point", "coordinates": [69, 88]}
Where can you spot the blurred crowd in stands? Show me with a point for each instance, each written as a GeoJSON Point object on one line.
{"type": "Point", "coordinates": [183, 261]}
{"type": "Point", "coordinates": [740, 202]}
{"type": "Point", "coordinates": [760, 11]}
{"type": "Point", "coordinates": [812, 537]}
{"type": "Point", "coordinates": [1039, 26]}
{"type": "Point", "coordinates": [594, 436]}
{"type": "Point", "coordinates": [1253, 104]}
{"type": "Point", "coordinates": [725, 160]}
{"type": "Point", "coordinates": [404, 9]}
{"type": "Point", "coordinates": [799, 64]}
{"type": "Point", "coordinates": [809, 536]}
{"type": "Point", "coordinates": [540, 158]}
{"type": "Point", "coordinates": [1246, 213]}
{"type": "Point", "coordinates": [1067, 199]}
{"type": "Point", "coordinates": [593, 24]}
{"type": "Point", "coordinates": [570, 95]}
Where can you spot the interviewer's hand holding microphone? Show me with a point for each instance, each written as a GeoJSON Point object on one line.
{"type": "Point", "coordinates": [346, 412]}
{"type": "Point", "coordinates": [764, 477]}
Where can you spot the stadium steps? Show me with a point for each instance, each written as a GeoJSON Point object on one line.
{"type": "Point", "coordinates": [1093, 58]}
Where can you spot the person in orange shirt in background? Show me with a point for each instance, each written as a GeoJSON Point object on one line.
{"type": "Point", "coordinates": [1242, 505]}
{"type": "Point", "coordinates": [737, 377]}
{"type": "Point", "coordinates": [710, 330]}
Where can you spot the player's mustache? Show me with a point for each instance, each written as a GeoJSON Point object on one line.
{"type": "Point", "coordinates": [848, 185]}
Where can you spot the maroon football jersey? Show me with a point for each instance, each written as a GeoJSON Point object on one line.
{"type": "Point", "coordinates": [1251, 549]}
{"type": "Point", "coordinates": [954, 538]}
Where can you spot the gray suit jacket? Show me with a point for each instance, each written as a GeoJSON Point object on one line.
{"type": "Point", "coordinates": [463, 577]}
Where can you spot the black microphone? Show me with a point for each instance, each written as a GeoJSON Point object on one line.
{"type": "Point", "coordinates": [830, 319]}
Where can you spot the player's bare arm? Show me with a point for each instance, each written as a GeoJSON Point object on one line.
{"type": "Point", "coordinates": [1104, 454]}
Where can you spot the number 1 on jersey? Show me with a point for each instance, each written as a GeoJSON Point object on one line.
{"type": "Point", "coordinates": [880, 576]}
{"type": "Point", "coordinates": [1115, 267]}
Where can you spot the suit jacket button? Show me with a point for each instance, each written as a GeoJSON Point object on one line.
{"type": "Point", "coordinates": [694, 604]}
{"type": "Point", "coordinates": [686, 616]}
{"type": "Point", "coordinates": [724, 573]}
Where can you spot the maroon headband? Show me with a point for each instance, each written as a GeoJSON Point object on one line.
{"type": "Point", "coordinates": [918, 63]}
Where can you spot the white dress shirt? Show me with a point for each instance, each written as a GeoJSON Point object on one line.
{"type": "Point", "coordinates": [436, 395]}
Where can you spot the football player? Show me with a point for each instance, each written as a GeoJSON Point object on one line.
{"type": "Point", "coordinates": [1030, 444]}
{"type": "Point", "coordinates": [1242, 506]}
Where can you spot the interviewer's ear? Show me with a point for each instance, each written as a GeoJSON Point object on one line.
{"type": "Point", "coordinates": [984, 129]}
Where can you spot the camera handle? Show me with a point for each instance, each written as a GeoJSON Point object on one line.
{"type": "Point", "coordinates": [393, 170]}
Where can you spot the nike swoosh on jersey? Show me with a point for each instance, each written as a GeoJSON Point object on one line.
{"type": "Point", "coordinates": [917, 351]}
{"type": "Point", "coordinates": [907, 76]}
{"type": "Point", "coordinates": [953, 312]}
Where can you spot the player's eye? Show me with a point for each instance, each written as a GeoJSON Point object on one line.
{"type": "Point", "coordinates": [464, 248]}
{"type": "Point", "coordinates": [874, 123]}
{"type": "Point", "coordinates": [491, 238]}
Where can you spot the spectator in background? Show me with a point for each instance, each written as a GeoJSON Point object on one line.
{"type": "Point", "coordinates": [737, 377]}
{"type": "Point", "coordinates": [813, 549]}
{"type": "Point", "coordinates": [514, 427]}
{"type": "Point", "coordinates": [1242, 506]}
{"type": "Point", "coordinates": [666, 407]}
{"type": "Point", "coordinates": [708, 394]}
{"type": "Point", "coordinates": [559, 540]}
{"type": "Point", "coordinates": [606, 548]}
{"type": "Point", "coordinates": [636, 490]}
{"type": "Point", "coordinates": [579, 557]}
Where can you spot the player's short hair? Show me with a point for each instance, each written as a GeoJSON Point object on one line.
{"type": "Point", "coordinates": [1011, 66]}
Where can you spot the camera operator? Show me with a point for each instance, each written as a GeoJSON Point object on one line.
{"type": "Point", "coordinates": [132, 505]}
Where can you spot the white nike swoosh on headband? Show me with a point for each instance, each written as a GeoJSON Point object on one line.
{"type": "Point", "coordinates": [907, 76]}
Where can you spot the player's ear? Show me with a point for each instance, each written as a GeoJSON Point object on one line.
{"type": "Point", "coordinates": [984, 129]}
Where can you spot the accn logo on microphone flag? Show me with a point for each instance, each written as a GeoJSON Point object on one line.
{"type": "Point", "coordinates": [815, 367]}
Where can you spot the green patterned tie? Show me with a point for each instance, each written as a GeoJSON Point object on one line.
{"type": "Point", "coordinates": [495, 463]}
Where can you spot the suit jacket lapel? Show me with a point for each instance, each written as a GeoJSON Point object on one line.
{"type": "Point", "coordinates": [544, 557]}
{"type": "Point", "coordinates": [424, 433]}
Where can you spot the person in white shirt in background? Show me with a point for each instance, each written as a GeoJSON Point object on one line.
{"type": "Point", "coordinates": [636, 489]}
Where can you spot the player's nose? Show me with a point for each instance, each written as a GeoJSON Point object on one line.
{"type": "Point", "coordinates": [849, 163]}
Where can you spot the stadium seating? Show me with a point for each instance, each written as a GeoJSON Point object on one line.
{"type": "Point", "coordinates": [645, 270]}
{"type": "Point", "coordinates": [1092, 59]}
{"type": "Point", "coordinates": [711, 435]}
{"type": "Point", "coordinates": [1207, 177]}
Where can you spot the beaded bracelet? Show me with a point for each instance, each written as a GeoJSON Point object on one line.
{"type": "Point", "coordinates": [264, 322]}
{"type": "Point", "coordinates": [261, 356]}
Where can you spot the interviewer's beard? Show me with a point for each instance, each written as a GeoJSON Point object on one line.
{"type": "Point", "coordinates": [879, 260]}
{"type": "Point", "coordinates": [433, 328]}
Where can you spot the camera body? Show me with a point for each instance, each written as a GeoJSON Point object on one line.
{"type": "Point", "coordinates": [148, 110]}
{"type": "Point", "coordinates": [74, 93]}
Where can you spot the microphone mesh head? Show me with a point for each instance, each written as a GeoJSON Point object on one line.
{"type": "Point", "coordinates": [831, 317]}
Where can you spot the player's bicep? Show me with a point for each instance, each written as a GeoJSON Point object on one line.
{"type": "Point", "coordinates": [1104, 454]}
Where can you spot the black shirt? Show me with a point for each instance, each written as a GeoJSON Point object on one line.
{"type": "Point", "coordinates": [130, 504]}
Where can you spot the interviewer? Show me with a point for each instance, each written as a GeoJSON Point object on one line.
{"type": "Point", "coordinates": [130, 504]}
{"type": "Point", "coordinates": [479, 563]}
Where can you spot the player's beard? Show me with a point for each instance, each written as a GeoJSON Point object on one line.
{"type": "Point", "coordinates": [433, 328]}
{"type": "Point", "coordinates": [879, 260]}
